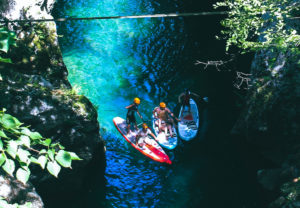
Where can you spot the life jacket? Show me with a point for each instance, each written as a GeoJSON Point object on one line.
{"type": "Point", "coordinates": [132, 110]}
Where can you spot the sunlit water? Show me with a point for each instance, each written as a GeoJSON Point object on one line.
{"type": "Point", "coordinates": [113, 61]}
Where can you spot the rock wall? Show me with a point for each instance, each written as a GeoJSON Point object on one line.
{"type": "Point", "coordinates": [271, 121]}
{"type": "Point", "coordinates": [35, 89]}
{"type": "Point", "coordinates": [15, 191]}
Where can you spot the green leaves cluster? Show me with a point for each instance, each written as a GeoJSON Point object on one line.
{"type": "Point", "coordinates": [7, 39]}
{"type": "Point", "coordinates": [20, 147]}
{"type": "Point", "coordinates": [4, 204]}
{"type": "Point", "coordinates": [256, 24]}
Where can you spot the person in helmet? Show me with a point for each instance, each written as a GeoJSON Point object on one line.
{"type": "Point", "coordinates": [164, 118]}
{"type": "Point", "coordinates": [142, 135]}
{"type": "Point", "coordinates": [184, 98]}
{"type": "Point", "coordinates": [130, 116]}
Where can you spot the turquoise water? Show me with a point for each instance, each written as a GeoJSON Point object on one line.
{"type": "Point", "coordinates": [109, 60]}
{"type": "Point", "coordinates": [113, 61]}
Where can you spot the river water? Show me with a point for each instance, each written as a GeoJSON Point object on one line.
{"type": "Point", "coordinates": [113, 61]}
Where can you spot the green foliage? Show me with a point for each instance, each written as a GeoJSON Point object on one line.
{"type": "Point", "coordinates": [7, 39]}
{"type": "Point", "coordinates": [4, 204]}
{"type": "Point", "coordinates": [255, 24]}
{"type": "Point", "coordinates": [20, 147]}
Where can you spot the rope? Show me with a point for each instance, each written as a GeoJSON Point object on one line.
{"type": "Point", "coordinates": [118, 17]}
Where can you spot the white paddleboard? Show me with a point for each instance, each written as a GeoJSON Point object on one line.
{"type": "Point", "coordinates": [189, 125]}
{"type": "Point", "coordinates": [163, 139]}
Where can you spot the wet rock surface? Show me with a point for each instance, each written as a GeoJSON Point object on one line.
{"type": "Point", "coordinates": [16, 192]}
{"type": "Point", "coordinates": [271, 121]}
{"type": "Point", "coordinates": [35, 89]}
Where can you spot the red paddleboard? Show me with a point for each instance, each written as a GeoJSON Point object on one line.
{"type": "Point", "coordinates": [150, 148]}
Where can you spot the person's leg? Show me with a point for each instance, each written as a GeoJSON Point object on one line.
{"type": "Point", "coordinates": [166, 129]}
{"type": "Point", "coordinates": [170, 130]}
{"type": "Point", "coordinates": [128, 124]}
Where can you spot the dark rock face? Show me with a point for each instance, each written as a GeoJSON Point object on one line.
{"type": "Point", "coordinates": [35, 89]}
{"type": "Point", "coordinates": [16, 192]}
{"type": "Point", "coordinates": [271, 120]}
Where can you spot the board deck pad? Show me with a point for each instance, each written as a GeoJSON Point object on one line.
{"type": "Point", "coordinates": [188, 117]}
{"type": "Point", "coordinates": [150, 148]}
{"type": "Point", "coordinates": [189, 124]}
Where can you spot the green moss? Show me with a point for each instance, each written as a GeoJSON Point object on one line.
{"type": "Point", "coordinates": [80, 109]}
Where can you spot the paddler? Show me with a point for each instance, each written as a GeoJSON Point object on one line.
{"type": "Point", "coordinates": [130, 117]}
{"type": "Point", "coordinates": [142, 135]}
{"type": "Point", "coordinates": [184, 98]}
{"type": "Point", "coordinates": [164, 121]}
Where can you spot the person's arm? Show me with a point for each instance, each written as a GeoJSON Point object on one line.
{"type": "Point", "coordinates": [195, 94]}
{"type": "Point", "coordinates": [129, 106]}
{"type": "Point", "coordinates": [172, 114]}
{"type": "Point", "coordinates": [153, 136]}
{"type": "Point", "coordinates": [137, 137]}
{"type": "Point", "coordinates": [139, 114]}
{"type": "Point", "coordinates": [153, 112]}
{"type": "Point", "coordinates": [179, 97]}
{"type": "Point", "coordinates": [150, 132]}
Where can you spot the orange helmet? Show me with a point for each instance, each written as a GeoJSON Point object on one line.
{"type": "Point", "coordinates": [145, 126]}
{"type": "Point", "coordinates": [162, 105]}
{"type": "Point", "coordinates": [137, 100]}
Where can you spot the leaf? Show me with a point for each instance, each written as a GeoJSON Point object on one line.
{"type": "Point", "coordinates": [53, 168]}
{"type": "Point", "coordinates": [60, 146]}
{"type": "Point", "coordinates": [4, 45]}
{"type": "Point", "coordinates": [24, 140]}
{"type": "Point", "coordinates": [35, 135]}
{"type": "Point", "coordinates": [34, 160]}
{"type": "Point", "coordinates": [42, 161]}
{"type": "Point", "coordinates": [4, 204]}
{"type": "Point", "coordinates": [12, 148]}
{"type": "Point", "coordinates": [7, 38]}
{"type": "Point", "coordinates": [74, 156]}
{"type": "Point", "coordinates": [26, 205]}
{"type": "Point", "coordinates": [23, 175]}
{"type": "Point", "coordinates": [9, 121]}
{"type": "Point", "coordinates": [5, 60]}
{"type": "Point", "coordinates": [46, 142]}
{"type": "Point", "coordinates": [64, 158]}
{"type": "Point", "coordinates": [43, 151]}
{"type": "Point", "coordinates": [9, 166]}
{"type": "Point", "coordinates": [1, 145]}
{"type": "Point", "coordinates": [23, 155]}
{"type": "Point", "coordinates": [2, 158]}
{"type": "Point", "coordinates": [51, 154]}
{"type": "Point", "coordinates": [26, 131]}
{"type": "Point", "coordinates": [3, 135]}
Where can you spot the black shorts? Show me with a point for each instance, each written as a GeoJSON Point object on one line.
{"type": "Point", "coordinates": [186, 103]}
{"type": "Point", "coordinates": [169, 121]}
{"type": "Point", "coordinates": [130, 119]}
